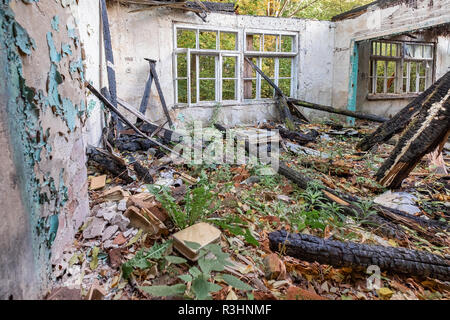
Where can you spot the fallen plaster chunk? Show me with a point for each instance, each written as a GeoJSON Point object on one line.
{"type": "Point", "coordinates": [107, 211]}
{"type": "Point", "coordinates": [121, 221]}
{"type": "Point", "coordinates": [109, 232]}
{"type": "Point", "coordinates": [402, 201]}
{"type": "Point", "coordinates": [122, 206]}
{"type": "Point", "coordinates": [95, 228]}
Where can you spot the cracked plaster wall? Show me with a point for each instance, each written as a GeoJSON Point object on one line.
{"type": "Point", "coordinates": [41, 131]}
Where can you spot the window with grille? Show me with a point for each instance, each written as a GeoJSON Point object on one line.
{"type": "Point", "coordinates": [398, 67]}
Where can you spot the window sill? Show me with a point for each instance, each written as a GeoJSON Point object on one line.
{"type": "Point", "coordinates": [224, 104]}
{"type": "Point", "coordinates": [392, 96]}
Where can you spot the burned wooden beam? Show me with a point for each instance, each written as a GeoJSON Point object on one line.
{"type": "Point", "coordinates": [399, 122]}
{"type": "Point", "coordinates": [158, 88]}
{"type": "Point", "coordinates": [428, 129]}
{"type": "Point", "coordinates": [357, 115]}
{"type": "Point", "coordinates": [350, 254]}
{"type": "Point", "coordinates": [297, 136]}
{"type": "Point", "coordinates": [108, 163]}
{"type": "Point", "coordinates": [110, 68]}
{"type": "Point", "coordinates": [124, 119]}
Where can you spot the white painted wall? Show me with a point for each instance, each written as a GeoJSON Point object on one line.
{"type": "Point", "coordinates": [149, 34]}
{"type": "Point", "coordinates": [378, 22]}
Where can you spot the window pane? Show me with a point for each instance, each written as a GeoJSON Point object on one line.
{"type": "Point", "coordinates": [229, 90]}
{"type": "Point", "coordinates": [380, 68]}
{"type": "Point", "coordinates": [285, 65]}
{"type": "Point", "coordinates": [391, 68]}
{"type": "Point", "coordinates": [421, 84]}
{"type": "Point", "coordinates": [380, 85]}
{"type": "Point", "coordinates": [227, 41]}
{"type": "Point", "coordinates": [207, 90]}
{"type": "Point", "coordinates": [181, 65]}
{"type": "Point", "coordinates": [229, 67]}
{"type": "Point", "coordinates": [268, 67]}
{"type": "Point", "coordinates": [394, 50]}
{"type": "Point", "coordinates": [418, 51]}
{"type": "Point", "coordinates": [193, 73]}
{"type": "Point", "coordinates": [408, 51]}
{"type": "Point", "coordinates": [412, 79]}
{"type": "Point", "coordinates": [266, 89]}
{"type": "Point", "coordinates": [422, 69]}
{"type": "Point", "coordinates": [207, 66]}
{"type": "Point", "coordinates": [249, 72]}
{"type": "Point", "coordinates": [207, 39]}
{"type": "Point", "coordinates": [285, 86]}
{"type": "Point", "coordinates": [256, 38]}
{"type": "Point", "coordinates": [182, 91]}
{"type": "Point", "coordinates": [185, 38]}
{"type": "Point", "coordinates": [270, 43]}
{"type": "Point", "coordinates": [428, 52]}
{"type": "Point", "coordinates": [286, 43]}
{"type": "Point", "coordinates": [249, 89]}
{"type": "Point", "coordinates": [383, 49]}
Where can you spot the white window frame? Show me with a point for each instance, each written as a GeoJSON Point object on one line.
{"type": "Point", "coordinates": [260, 54]}
{"type": "Point", "coordinates": [218, 53]}
{"type": "Point", "coordinates": [401, 59]}
{"type": "Point", "coordinates": [239, 53]}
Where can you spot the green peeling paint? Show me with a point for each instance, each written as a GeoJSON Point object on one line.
{"type": "Point", "coordinates": [77, 66]}
{"type": "Point", "coordinates": [66, 49]}
{"type": "Point", "coordinates": [55, 23]}
{"type": "Point", "coordinates": [55, 56]}
{"type": "Point", "coordinates": [352, 89]}
{"type": "Point", "coordinates": [29, 141]}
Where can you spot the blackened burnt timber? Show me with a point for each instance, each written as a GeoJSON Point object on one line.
{"type": "Point", "coordinates": [428, 129]}
{"type": "Point", "coordinates": [399, 122]}
{"type": "Point", "coordinates": [329, 109]}
{"type": "Point", "coordinates": [108, 163]}
{"type": "Point", "coordinates": [350, 254]}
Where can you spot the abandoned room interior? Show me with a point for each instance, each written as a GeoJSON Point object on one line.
{"type": "Point", "coordinates": [98, 97]}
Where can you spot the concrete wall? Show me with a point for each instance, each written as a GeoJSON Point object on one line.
{"type": "Point", "coordinates": [149, 34]}
{"type": "Point", "coordinates": [41, 134]}
{"type": "Point", "coordinates": [375, 23]}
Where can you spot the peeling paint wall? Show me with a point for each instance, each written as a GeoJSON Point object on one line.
{"type": "Point", "coordinates": [149, 34]}
{"type": "Point", "coordinates": [377, 22]}
{"type": "Point", "coordinates": [42, 124]}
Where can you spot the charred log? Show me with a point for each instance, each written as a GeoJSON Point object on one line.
{"type": "Point", "coordinates": [142, 173]}
{"type": "Point", "coordinates": [428, 129]}
{"type": "Point", "coordinates": [108, 163]}
{"type": "Point", "coordinates": [399, 122]}
{"type": "Point", "coordinates": [350, 254]}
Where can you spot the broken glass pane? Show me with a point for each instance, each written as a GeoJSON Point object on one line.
{"type": "Point", "coordinates": [181, 65]}
{"type": "Point", "coordinates": [285, 86]}
{"type": "Point", "coordinates": [268, 67]}
{"type": "Point", "coordinates": [229, 67]}
{"type": "Point", "coordinates": [182, 91]}
{"type": "Point", "coordinates": [208, 40]}
{"type": "Point", "coordinates": [186, 38]}
{"type": "Point", "coordinates": [266, 89]}
{"type": "Point", "coordinates": [270, 43]}
{"type": "Point", "coordinates": [207, 66]}
{"type": "Point", "coordinates": [227, 41]}
{"type": "Point", "coordinates": [207, 90]}
{"type": "Point", "coordinates": [285, 66]}
{"type": "Point", "coordinates": [287, 43]}
{"type": "Point", "coordinates": [428, 52]}
{"type": "Point", "coordinates": [256, 38]}
{"type": "Point", "coordinates": [229, 90]}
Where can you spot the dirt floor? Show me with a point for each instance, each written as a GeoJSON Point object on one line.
{"type": "Point", "coordinates": [110, 259]}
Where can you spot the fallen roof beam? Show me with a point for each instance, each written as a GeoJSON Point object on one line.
{"type": "Point", "coordinates": [428, 129]}
{"type": "Point", "coordinates": [399, 122]}
{"type": "Point", "coordinates": [329, 109]}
